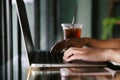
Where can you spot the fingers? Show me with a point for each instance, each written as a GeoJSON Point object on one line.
{"type": "Point", "coordinates": [58, 47]}
{"type": "Point", "coordinates": [74, 50]}
{"type": "Point", "coordinates": [65, 44]}
{"type": "Point", "coordinates": [73, 53]}
{"type": "Point", "coordinates": [61, 46]}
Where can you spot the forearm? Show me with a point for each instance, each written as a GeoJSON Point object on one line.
{"type": "Point", "coordinates": [111, 43]}
{"type": "Point", "coordinates": [114, 55]}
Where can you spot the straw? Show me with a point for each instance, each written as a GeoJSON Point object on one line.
{"type": "Point", "coordinates": [74, 17]}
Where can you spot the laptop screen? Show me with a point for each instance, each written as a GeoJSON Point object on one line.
{"type": "Point", "coordinates": [25, 29]}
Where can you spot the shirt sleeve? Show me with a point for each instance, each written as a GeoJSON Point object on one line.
{"type": "Point", "coordinates": [115, 63]}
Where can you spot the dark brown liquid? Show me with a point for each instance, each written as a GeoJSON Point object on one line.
{"type": "Point", "coordinates": [72, 33]}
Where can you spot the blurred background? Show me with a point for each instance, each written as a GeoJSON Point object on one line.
{"type": "Point", "coordinates": [101, 20]}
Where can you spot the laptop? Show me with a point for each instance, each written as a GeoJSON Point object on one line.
{"type": "Point", "coordinates": [39, 59]}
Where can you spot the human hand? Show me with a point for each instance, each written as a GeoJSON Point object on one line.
{"type": "Point", "coordinates": [65, 44]}
{"type": "Point", "coordinates": [86, 54]}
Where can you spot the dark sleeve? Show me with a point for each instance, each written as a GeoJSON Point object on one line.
{"type": "Point", "coordinates": [112, 66]}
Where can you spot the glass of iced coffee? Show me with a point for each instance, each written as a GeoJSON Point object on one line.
{"type": "Point", "coordinates": [71, 30]}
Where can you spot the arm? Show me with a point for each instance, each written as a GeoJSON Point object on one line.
{"type": "Point", "coordinates": [114, 55]}
{"type": "Point", "coordinates": [110, 43]}
{"type": "Point", "coordinates": [80, 42]}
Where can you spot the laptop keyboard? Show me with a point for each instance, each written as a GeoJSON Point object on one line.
{"type": "Point", "coordinates": [47, 57]}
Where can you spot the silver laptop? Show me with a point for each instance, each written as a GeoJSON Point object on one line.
{"type": "Point", "coordinates": [38, 59]}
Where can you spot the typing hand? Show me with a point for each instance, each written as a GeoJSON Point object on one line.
{"type": "Point", "coordinates": [65, 44]}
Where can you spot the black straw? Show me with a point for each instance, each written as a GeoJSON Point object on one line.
{"type": "Point", "coordinates": [74, 17]}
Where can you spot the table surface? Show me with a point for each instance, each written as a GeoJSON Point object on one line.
{"type": "Point", "coordinates": [55, 74]}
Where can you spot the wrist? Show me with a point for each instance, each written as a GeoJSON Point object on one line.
{"type": "Point", "coordinates": [109, 54]}
{"type": "Point", "coordinates": [87, 41]}
{"type": "Point", "coordinates": [113, 55]}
